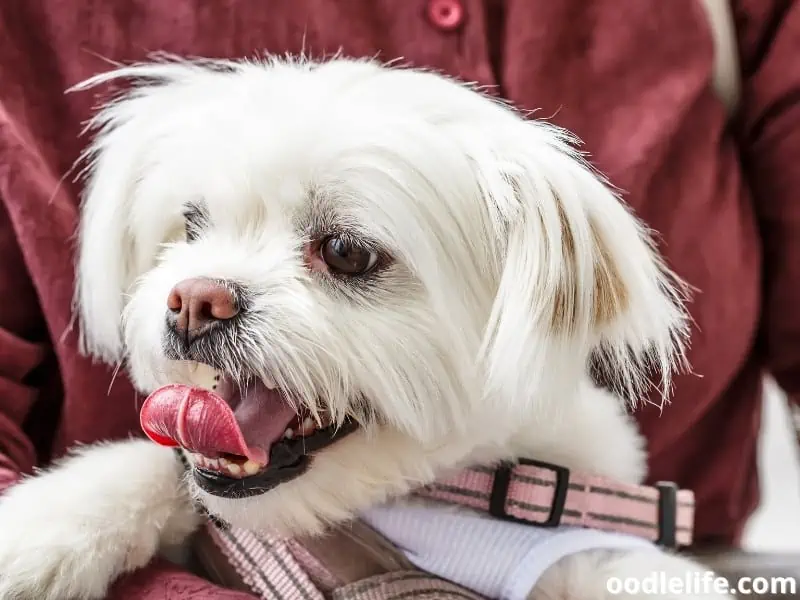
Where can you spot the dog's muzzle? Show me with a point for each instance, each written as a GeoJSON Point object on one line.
{"type": "Point", "coordinates": [242, 436]}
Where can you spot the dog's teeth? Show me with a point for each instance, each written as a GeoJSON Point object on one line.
{"type": "Point", "coordinates": [251, 467]}
{"type": "Point", "coordinates": [308, 426]}
{"type": "Point", "coordinates": [233, 468]}
{"type": "Point", "coordinates": [288, 434]}
{"type": "Point", "coordinates": [269, 383]}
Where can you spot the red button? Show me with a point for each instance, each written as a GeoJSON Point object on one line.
{"type": "Point", "coordinates": [446, 14]}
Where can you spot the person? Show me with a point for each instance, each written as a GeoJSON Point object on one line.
{"type": "Point", "coordinates": [632, 79]}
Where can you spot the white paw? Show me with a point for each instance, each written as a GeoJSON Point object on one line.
{"type": "Point", "coordinates": [47, 555]}
{"type": "Point", "coordinates": [69, 533]}
{"type": "Point", "coordinates": [625, 575]}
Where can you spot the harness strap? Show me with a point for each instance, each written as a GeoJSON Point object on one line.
{"type": "Point", "coordinates": [547, 495]}
{"type": "Point", "coordinates": [277, 569]}
{"type": "Point", "coordinates": [532, 492]}
{"type": "Point", "coordinates": [403, 585]}
{"type": "Point", "coordinates": [265, 563]}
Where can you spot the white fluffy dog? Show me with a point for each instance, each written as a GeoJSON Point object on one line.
{"type": "Point", "coordinates": [396, 256]}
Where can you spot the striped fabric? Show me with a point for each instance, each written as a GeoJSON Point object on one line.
{"type": "Point", "coordinates": [591, 501]}
{"type": "Point", "coordinates": [265, 563]}
{"type": "Point", "coordinates": [278, 569]}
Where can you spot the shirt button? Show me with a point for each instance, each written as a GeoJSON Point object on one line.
{"type": "Point", "coordinates": [447, 15]}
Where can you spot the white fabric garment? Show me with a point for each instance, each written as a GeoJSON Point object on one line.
{"type": "Point", "coordinates": [497, 559]}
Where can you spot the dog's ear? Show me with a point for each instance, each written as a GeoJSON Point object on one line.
{"type": "Point", "coordinates": [106, 248]}
{"type": "Point", "coordinates": [579, 276]}
{"type": "Point", "coordinates": [109, 257]}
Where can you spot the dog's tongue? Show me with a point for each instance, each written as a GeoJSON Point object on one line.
{"type": "Point", "coordinates": [246, 424]}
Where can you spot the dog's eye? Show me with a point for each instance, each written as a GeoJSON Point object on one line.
{"type": "Point", "coordinates": [343, 257]}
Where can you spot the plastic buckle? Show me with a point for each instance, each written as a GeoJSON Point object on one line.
{"type": "Point", "coordinates": [502, 481]}
{"type": "Point", "coordinates": [667, 514]}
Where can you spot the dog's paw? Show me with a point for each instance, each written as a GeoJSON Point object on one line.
{"type": "Point", "coordinates": [47, 555]}
{"type": "Point", "coordinates": [69, 533]}
{"type": "Point", "coordinates": [626, 575]}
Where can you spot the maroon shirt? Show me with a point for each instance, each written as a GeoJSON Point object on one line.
{"type": "Point", "coordinates": [631, 78]}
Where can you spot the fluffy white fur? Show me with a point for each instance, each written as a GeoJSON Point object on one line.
{"type": "Point", "coordinates": [512, 265]}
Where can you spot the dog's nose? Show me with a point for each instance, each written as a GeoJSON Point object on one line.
{"type": "Point", "coordinates": [197, 304]}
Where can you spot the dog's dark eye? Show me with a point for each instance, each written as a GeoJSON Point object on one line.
{"type": "Point", "coordinates": [343, 257]}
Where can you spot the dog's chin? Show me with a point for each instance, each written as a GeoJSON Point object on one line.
{"type": "Point", "coordinates": [363, 469]}
{"type": "Point", "coordinates": [242, 437]}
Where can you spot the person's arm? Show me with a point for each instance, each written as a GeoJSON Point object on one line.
{"type": "Point", "coordinates": [768, 124]}
{"type": "Point", "coordinates": [20, 322]}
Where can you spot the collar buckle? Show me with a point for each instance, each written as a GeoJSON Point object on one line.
{"type": "Point", "coordinates": [667, 514]}
{"type": "Point", "coordinates": [503, 475]}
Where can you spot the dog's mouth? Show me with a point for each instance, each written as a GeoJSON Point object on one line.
{"type": "Point", "coordinates": [242, 440]}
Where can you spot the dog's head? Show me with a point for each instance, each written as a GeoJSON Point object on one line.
{"type": "Point", "coordinates": [407, 262]}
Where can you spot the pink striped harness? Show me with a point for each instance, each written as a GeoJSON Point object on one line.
{"type": "Point", "coordinates": [530, 491]}
{"type": "Point", "coordinates": [547, 495]}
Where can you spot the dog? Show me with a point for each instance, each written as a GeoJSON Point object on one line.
{"type": "Point", "coordinates": [394, 274]}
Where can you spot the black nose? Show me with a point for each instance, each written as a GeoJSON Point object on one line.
{"type": "Point", "coordinates": [196, 305]}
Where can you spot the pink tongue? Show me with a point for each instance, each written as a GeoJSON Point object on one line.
{"type": "Point", "coordinates": [203, 422]}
